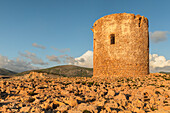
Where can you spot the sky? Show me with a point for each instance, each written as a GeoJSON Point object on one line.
{"type": "Point", "coordinates": [44, 33]}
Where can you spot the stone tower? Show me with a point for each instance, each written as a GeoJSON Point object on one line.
{"type": "Point", "coordinates": [121, 45]}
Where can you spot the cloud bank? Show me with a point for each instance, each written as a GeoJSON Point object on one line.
{"type": "Point", "coordinates": [86, 60]}
{"type": "Point", "coordinates": [38, 46]}
{"type": "Point", "coordinates": [159, 63]}
{"type": "Point", "coordinates": [34, 59]}
{"type": "Point", "coordinates": [53, 58]}
{"type": "Point", "coordinates": [16, 65]}
{"type": "Point", "coordinates": [158, 36]}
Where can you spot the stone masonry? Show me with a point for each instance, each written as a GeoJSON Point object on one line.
{"type": "Point", "coordinates": [121, 45]}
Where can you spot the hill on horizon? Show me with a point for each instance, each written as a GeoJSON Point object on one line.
{"type": "Point", "coordinates": [164, 72]}
{"type": "Point", "coordinates": [6, 72]}
{"type": "Point", "coordinates": [64, 70]}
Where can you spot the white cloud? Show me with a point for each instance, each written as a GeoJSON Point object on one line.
{"type": "Point", "coordinates": [17, 65]}
{"type": "Point", "coordinates": [34, 59]}
{"type": "Point", "coordinates": [38, 46]}
{"type": "Point", "coordinates": [53, 58]}
{"type": "Point", "coordinates": [159, 63]}
{"type": "Point", "coordinates": [158, 36]}
{"type": "Point", "coordinates": [86, 60]}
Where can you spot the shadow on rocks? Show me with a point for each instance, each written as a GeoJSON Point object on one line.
{"type": "Point", "coordinates": [3, 94]}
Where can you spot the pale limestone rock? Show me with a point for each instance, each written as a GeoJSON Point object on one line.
{"type": "Point", "coordinates": [25, 109]}
{"type": "Point", "coordinates": [79, 98]}
{"type": "Point", "coordinates": [103, 111]}
{"type": "Point", "coordinates": [126, 111]}
{"type": "Point", "coordinates": [56, 101]}
{"type": "Point", "coordinates": [74, 111]}
{"type": "Point", "coordinates": [63, 108]}
{"type": "Point", "coordinates": [37, 101]}
{"type": "Point", "coordinates": [113, 111]}
{"type": "Point", "coordinates": [167, 108]}
{"type": "Point", "coordinates": [71, 101]}
{"type": "Point", "coordinates": [100, 102]}
{"type": "Point", "coordinates": [152, 100]}
{"type": "Point", "coordinates": [85, 106]}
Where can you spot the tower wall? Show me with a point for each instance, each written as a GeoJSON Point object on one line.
{"type": "Point", "coordinates": [121, 45]}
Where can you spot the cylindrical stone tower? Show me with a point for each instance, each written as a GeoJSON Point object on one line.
{"type": "Point", "coordinates": [121, 45]}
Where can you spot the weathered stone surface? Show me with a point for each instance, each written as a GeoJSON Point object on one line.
{"type": "Point", "coordinates": [71, 101]}
{"type": "Point", "coordinates": [120, 45]}
{"type": "Point", "coordinates": [25, 109]}
{"type": "Point", "coordinates": [63, 108]}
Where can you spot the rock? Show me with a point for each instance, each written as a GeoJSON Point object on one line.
{"type": "Point", "coordinates": [56, 101]}
{"type": "Point", "coordinates": [46, 105]}
{"type": "Point", "coordinates": [65, 92]}
{"type": "Point", "coordinates": [127, 111]}
{"type": "Point", "coordinates": [135, 109]}
{"type": "Point", "coordinates": [167, 108]}
{"type": "Point", "coordinates": [113, 111]}
{"type": "Point", "coordinates": [152, 101]}
{"type": "Point", "coordinates": [103, 111]}
{"type": "Point", "coordinates": [71, 101]}
{"type": "Point", "coordinates": [4, 108]}
{"type": "Point", "coordinates": [37, 101]}
{"type": "Point", "coordinates": [63, 108]}
{"type": "Point", "coordinates": [25, 109]}
{"type": "Point", "coordinates": [141, 111]}
{"type": "Point", "coordinates": [74, 111]}
{"type": "Point", "coordinates": [111, 92]}
{"type": "Point", "coordinates": [86, 107]}
{"type": "Point", "coordinates": [79, 98]}
{"type": "Point", "coordinates": [160, 111]}
{"type": "Point", "coordinates": [100, 102]}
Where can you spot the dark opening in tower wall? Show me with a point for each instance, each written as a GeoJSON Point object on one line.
{"type": "Point", "coordinates": [112, 39]}
{"type": "Point", "coordinates": [140, 21]}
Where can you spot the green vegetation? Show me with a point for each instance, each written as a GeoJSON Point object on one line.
{"type": "Point", "coordinates": [162, 85]}
{"type": "Point", "coordinates": [32, 93]}
{"type": "Point", "coordinates": [153, 109]}
{"type": "Point", "coordinates": [90, 84]}
{"type": "Point", "coordinates": [157, 92]}
{"type": "Point", "coordinates": [96, 84]}
{"type": "Point", "coordinates": [165, 101]}
{"type": "Point", "coordinates": [84, 83]}
{"type": "Point", "coordinates": [152, 84]}
{"type": "Point", "coordinates": [78, 82]}
{"type": "Point", "coordinates": [31, 100]}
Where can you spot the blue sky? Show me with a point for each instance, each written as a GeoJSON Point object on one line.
{"type": "Point", "coordinates": [46, 30]}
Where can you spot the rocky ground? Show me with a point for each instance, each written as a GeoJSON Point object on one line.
{"type": "Point", "coordinates": [36, 92]}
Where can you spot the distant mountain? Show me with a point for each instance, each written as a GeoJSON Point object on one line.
{"type": "Point", "coordinates": [6, 72]}
{"type": "Point", "coordinates": [164, 72]}
{"type": "Point", "coordinates": [65, 71]}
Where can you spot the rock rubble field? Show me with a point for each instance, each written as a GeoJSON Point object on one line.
{"type": "Point", "coordinates": [36, 92]}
